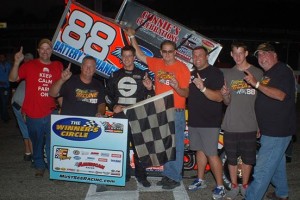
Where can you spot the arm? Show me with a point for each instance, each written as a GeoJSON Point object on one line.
{"type": "Point", "coordinates": [55, 88]}
{"type": "Point", "coordinates": [139, 53]}
{"type": "Point", "coordinates": [271, 92]}
{"type": "Point", "coordinates": [214, 95]}
{"type": "Point", "coordinates": [101, 110]}
{"type": "Point", "coordinates": [226, 94]}
{"type": "Point", "coordinates": [13, 75]}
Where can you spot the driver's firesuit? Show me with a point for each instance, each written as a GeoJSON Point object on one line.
{"type": "Point", "coordinates": [126, 88]}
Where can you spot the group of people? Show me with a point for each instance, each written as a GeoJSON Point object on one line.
{"type": "Point", "coordinates": [259, 104]}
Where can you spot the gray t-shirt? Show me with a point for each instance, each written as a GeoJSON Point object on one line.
{"type": "Point", "coordinates": [240, 114]}
{"type": "Point", "coordinates": [19, 94]}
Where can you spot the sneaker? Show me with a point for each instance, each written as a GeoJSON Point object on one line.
{"type": "Point", "coordinates": [272, 196]}
{"type": "Point", "coordinates": [243, 189]}
{"type": "Point", "coordinates": [145, 182]}
{"type": "Point", "coordinates": [218, 193]}
{"type": "Point", "coordinates": [170, 184]}
{"type": "Point", "coordinates": [197, 184]}
{"type": "Point", "coordinates": [163, 181]}
{"type": "Point", "coordinates": [233, 193]}
{"type": "Point", "coordinates": [27, 157]}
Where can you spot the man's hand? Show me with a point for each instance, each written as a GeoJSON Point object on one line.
{"type": "Point", "coordinates": [147, 82]}
{"type": "Point", "coordinates": [118, 108]}
{"type": "Point", "coordinates": [66, 74]}
{"type": "Point", "coordinates": [199, 82]}
{"type": "Point", "coordinates": [19, 56]}
{"type": "Point", "coordinates": [225, 90]}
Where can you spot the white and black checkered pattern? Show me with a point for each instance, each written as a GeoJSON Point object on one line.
{"type": "Point", "coordinates": [91, 123]}
{"type": "Point", "coordinates": [153, 129]}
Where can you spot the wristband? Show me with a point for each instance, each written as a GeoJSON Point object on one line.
{"type": "Point", "coordinates": [257, 84]}
{"type": "Point", "coordinates": [203, 90]}
{"type": "Point", "coordinates": [132, 36]}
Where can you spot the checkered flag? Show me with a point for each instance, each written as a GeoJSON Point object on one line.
{"type": "Point", "coordinates": [91, 123]}
{"type": "Point", "coordinates": [153, 129]}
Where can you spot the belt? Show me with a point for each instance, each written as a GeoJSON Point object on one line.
{"type": "Point", "coordinates": [179, 109]}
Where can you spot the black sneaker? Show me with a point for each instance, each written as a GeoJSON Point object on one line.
{"type": "Point", "coordinates": [170, 184]}
{"type": "Point", "coordinates": [145, 183]}
{"type": "Point", "coordinates": [27, 157]}
{"type": "Point", "coordinates": [163, 181]}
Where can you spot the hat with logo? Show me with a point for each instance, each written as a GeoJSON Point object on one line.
{"type": "Point", "coordinates": [264, 47]}
{"type": "Point", "coordinates": [43, 41]}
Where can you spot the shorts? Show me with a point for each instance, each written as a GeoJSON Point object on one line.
{"type": "Point", "coordinates": [204, 139]}
{"type": "Point", "coordinates": [240, 144]}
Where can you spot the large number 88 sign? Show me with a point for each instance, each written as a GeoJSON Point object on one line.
{"type": "Point", "coordinates": [92, 38]}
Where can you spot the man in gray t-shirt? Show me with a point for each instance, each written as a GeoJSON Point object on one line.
{"type": "Point", "coordinates": [239, 123]}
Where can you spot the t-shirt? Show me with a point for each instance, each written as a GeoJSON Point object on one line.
{"type": "Point", "coordinates": [277, 118]}
{"type": "Point", "coordinates": [163, 74]}
{"type": "Point", "coordinates": [81, 99]}
{"type": "Point", "coordinates": [19, 94]}
{"type": "Point", "coordinates": [240, 114]}
{"type": "Point", "coordinates": [202, 111]}
{"type": "Point", "coordinates": [39, 77]}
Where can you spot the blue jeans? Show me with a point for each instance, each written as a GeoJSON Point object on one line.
{"type": "Point", "coordinates": [21, 123]}
{"type": "Point", "coordinates": [270, 168]}
{"type": "Point", "coordinates": [39, 133]}
{"type": "Point", "coordinates": [173, 169]}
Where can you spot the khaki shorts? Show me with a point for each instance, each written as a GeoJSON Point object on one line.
{"type": "Point", "coordinates": [204, 139]}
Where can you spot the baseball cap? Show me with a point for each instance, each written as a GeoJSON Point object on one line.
{"type": "Point", "coordinates": [28, 56]}
{"type": "Point", "coordinates": [264, 47]}
{"type": "Point", "coordinates": [45, 40]}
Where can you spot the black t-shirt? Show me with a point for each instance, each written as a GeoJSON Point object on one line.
{"type": "Point", "coordinates": [81, 99]}
{"type": "Point", "coordinates": [203, 112]}
{"type": "Point", "coordinates": [277, 118]}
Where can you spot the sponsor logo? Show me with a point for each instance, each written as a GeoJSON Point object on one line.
{"type": "Point", "coordinates": [116, 155]}
{"type": "Point", "coordinates": [76, 129]}
{"type": "Point", "coordinates": [113, 127]}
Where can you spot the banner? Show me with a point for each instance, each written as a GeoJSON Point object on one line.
{"type": "Point", "coordinates": [88, 149]}
{"type": "Point", "coordinates": [153, 28]}
{"type": "Point", "coordinates": [83, 32]}
{"type": "Point", "coordinates": [153, 129]}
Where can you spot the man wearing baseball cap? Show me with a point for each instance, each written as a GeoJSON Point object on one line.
{"type": "Point", "coordinates": [276, 116]}
{"type": "Point", "coordinates": [39, 75]}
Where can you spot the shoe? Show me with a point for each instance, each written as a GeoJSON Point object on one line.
{"type": "Point", "coordinates": [197, 184]}
{"type": "Point", "coordinates": [272, 196]}
{"type": "Point", "coordinates": [219, 193]}
{"type": "Point", "coordinates": [39, 173]}
{"type": "Point", "coordinates": [145, 182]}
{"type": "Point", "coordinates": [243, 189]}
{"type": "Point", "coordinates": [170, 184]}
{"type": "Point", "coordinates": [27, 157]}
{"type": "Point", "coordinates": [233, 193]}
{"type": "Point", "coordinates": [163, 181]}
{"type": "Point", "coordinates": [128, 179]}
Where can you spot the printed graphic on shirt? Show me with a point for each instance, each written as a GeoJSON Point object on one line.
{"type": "Point", "coordinates": [265, 80]}
{"type": "Point", "coordinates": [45, 81]}
{"type": "Point", "coordinates": [165, 77]}
{"type": "Point", "coordinates": [88, 96]}
{"type": "Point", "coordinates": [241, 87]}
{"type": "Point", "coordinates": [127, 87]}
